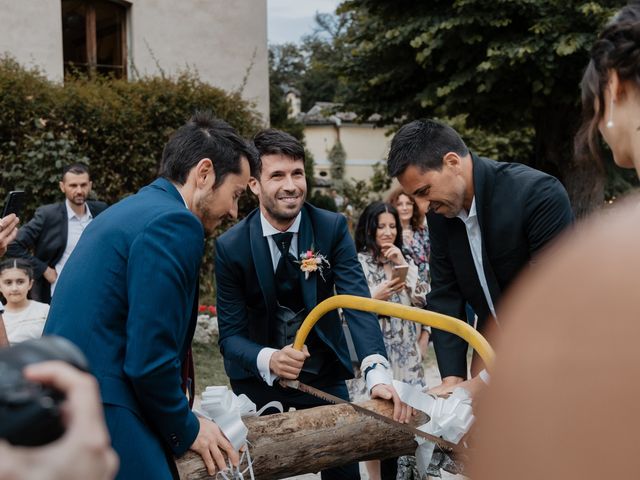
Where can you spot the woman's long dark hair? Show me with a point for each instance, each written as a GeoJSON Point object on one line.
{"type": "Point", "coordinates": [617, 48]}
{"type": "Point", "coordinates": [368, 226]}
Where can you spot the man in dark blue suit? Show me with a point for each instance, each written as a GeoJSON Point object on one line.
{"type": "Point", "coordinates": [263, 295]}
{"type": "Point", "coordinates": [129, 294]}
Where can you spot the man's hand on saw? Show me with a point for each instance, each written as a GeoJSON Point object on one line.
{"type": "Point", "coordinates": [401, 411]}
{"type": "Point", "coordinates": [446, 387]}
{"type": "Point", "coordinates": [287, 362]}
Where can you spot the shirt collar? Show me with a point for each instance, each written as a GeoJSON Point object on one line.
{"type": "Point", "coordinates": [268, 229]}
{"type": "Point", "coordinates": [71, 214]}
{"type": "Point", "coordinates": [182, 196]}
{"type": "Point", "coordinates": [464, 216]}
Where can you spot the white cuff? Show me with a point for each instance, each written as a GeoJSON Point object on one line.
{"type": "Point", "coordinates": [264, 357]}
{"type": "Point", "coordinates": [376, 370]}
{"type": "Point", "coordinates": [484, 376]}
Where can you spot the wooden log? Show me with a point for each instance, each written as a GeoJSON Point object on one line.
{"type": "Point", "coordinates": [308, 441]}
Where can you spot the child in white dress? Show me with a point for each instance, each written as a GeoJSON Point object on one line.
{"type": "Point", "coordinates": [23, 318]}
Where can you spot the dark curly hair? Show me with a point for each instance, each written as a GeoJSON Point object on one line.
{"type": "Point", "coordinates": [617, 48]}
{"type": "Point", "coordinates": [368, 225]}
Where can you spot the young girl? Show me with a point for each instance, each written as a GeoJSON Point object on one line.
{"type": "Point", "coordinates": [23, 318]}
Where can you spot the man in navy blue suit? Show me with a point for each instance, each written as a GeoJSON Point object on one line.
{"type": "Point", "coordinates": [128, 298]}
{"type": "Point", "coordinates": [263, 294]}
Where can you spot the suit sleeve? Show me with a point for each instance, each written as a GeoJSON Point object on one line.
{"type": "Point", "coordinates": [548, 212]}
{"type": "Point", "coordinates": [162, 273]}
{"type": "Point", "coordinates": [350, 280]}
{"type": "Point", "coordinates": [446, 298]}
{"type": "Point", "coordinates": [26, 240]}
{"type": "Point", "coordinates": [233, 320]}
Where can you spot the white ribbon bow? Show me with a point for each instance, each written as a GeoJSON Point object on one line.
{"type": "Point", "coordinates": [226, 409]}
{"type": "Point", "coordinates": [450, 418]}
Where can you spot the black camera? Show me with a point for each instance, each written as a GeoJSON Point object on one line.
{"type": "Point", "coordinates": [29, 412]}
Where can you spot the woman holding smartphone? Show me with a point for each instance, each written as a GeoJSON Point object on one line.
{"type": "Point", "coordinates": [415, 233]}
{"type": "Point", "coordinates": [391, 277]}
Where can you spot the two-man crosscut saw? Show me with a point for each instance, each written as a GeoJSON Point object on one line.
{"type": "Point", "coordinates": [432, 319]}
{"type": "Point", "coordinates": [447, 447]}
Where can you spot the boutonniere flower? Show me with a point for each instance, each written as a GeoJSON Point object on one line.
{"type": "Point", "coordinates": [311, 261]}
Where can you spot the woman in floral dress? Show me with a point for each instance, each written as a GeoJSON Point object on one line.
{"type": "Point", "coordinates": [379, 244]}
{"type": "Point", "coordinates": [415, 242]}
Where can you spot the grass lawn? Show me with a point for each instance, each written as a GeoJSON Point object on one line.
{"type": "Point", "coordinates": [210, 370]}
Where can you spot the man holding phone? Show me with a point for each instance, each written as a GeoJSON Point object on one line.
{"type": "Point", "coordinates": [8, 231]}
{"type": "Point", "coordinates": [49, 238]}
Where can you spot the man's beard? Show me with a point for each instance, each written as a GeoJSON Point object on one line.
{"type": "Point", "coordinates": [78, 200]}
{"type": "Point", "coordinates": [281, 214]}
{"type": "Point", "coordinates": [209, 223]}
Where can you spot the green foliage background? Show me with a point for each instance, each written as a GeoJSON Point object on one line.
{"type": "Point", "coordinates": [117, 127]}
{"type": "Point", "coordinates": [504, 73]}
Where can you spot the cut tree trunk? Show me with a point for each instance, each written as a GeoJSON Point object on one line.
{"type": "Point", "coordinates": [308, 441]}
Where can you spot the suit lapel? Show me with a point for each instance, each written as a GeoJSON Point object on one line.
{"type": "Point", "coordinates": [64, 233]}
{"type": "Point", "coordinates": [306, 241]}
{"type": "Point", "coordinates": [262, 263]}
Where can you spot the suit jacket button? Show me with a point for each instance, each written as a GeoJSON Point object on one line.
{"type": "Point", "coordinates": [174, 439]}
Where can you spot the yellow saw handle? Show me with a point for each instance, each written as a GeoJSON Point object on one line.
{"type": "Point", "coordinates": [431, 319]}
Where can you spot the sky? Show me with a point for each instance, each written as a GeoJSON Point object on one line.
{"type": "Point", "coordinates": [289, 20]}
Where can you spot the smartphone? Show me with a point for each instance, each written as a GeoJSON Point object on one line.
{"type": "Point", "coordinates": [400, 271]}
{"type": "Point", "coordinates": [13, 203]}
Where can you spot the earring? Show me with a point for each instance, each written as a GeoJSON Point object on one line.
{"type": "Point", "coordinates": [610, 122]}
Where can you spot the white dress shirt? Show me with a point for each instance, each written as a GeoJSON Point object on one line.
{"type": "Point", "coordinates": [474, 235]}
{"type": "Point", "coordinates": [374, 376]}
{"type": "Point", "coordinates": [268, 231]}
{"type": "Point", "coordinates": [75, 227]}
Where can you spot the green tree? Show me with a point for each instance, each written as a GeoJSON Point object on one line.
{"type": "Point", "coordinates": [506, 70]}
{"type": "Point", "coordinates": [286, 67]}
{"type": "Point", "coordinates": [380, 180]}
{"type": "Point", "coordinates": [337, 157]}
{"type": "Point", "coordinates": [307, 67]}
{"type": "Point", "coordinates": [118, 127]}
{"type": "Point", "coordinates": [319, 83]}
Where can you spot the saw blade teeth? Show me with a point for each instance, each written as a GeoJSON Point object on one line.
{"type": "Point", "coordinates": [440, 442]}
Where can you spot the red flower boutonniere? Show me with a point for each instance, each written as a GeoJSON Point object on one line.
{"type": "Point", "coordinates": [210, 309]}
{"type": "Point", "coordinates": [311, 261]}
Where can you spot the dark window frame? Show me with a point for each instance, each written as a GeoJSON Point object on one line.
{"type": "Point", "coordinates": [91, 46]}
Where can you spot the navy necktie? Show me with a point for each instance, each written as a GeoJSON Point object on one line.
{"type": "Point", "coordinates": [287, 275]}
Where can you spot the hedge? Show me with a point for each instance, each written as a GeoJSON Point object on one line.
{"type": "Point", "coordinates": [117, 127]}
